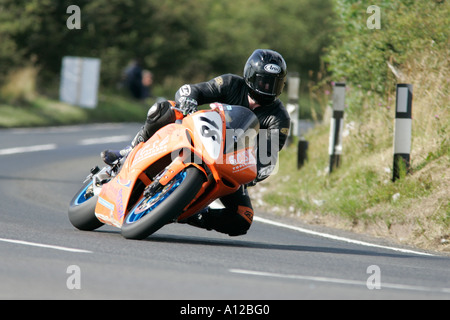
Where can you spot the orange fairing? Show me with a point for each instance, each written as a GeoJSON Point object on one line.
{"type": "Point", "coordinates": [239, 167]}
{"type": "Point", "coordinates": [113, 200]}
{"type": "Point", "coordinates": [220, 143]}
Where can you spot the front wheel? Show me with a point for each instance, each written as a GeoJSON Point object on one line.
{"type": "Point", "coordinates": [153, 212]}
{"type": "Point", "coordinates": [82, 209]}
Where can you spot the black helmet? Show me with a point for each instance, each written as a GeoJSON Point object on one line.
{"type": "Point", "coordinates": [265, 75]}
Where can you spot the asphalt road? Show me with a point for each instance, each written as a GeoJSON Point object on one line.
{"type": "Point", "coordinates": [43, 257]}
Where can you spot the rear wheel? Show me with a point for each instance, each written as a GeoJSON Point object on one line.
{"type": "Point", "coordinates": [82, 209]}
{"type": "Point", "coordinates": [154, 211]}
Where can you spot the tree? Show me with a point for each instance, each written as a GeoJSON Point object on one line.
{"type": "Point", "coordinates": [191, 39]}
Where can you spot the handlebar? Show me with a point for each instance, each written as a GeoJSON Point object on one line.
{"type": "Point", "coordinates": [181, 114]}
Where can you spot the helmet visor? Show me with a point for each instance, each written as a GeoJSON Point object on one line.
{"type": "Point", "coordinates": [268, 85]}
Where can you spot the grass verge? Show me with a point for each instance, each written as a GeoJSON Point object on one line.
{"type": "Point", "coordinates": [360, 195]}
{"type": "Point", "coordinates": [44, 111]}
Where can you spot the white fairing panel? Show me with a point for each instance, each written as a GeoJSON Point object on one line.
{"type": "Point", "coordinates": [208, 127]}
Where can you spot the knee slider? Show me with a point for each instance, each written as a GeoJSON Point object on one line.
{"type": "Point", "coordinates": [160, 110]}
{"type": "Point", "coordinates": [159, 115]}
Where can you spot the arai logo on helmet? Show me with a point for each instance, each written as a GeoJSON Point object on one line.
{"type": "Point", "coordinates": [272, 68]}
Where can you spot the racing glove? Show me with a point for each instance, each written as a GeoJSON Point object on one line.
{"type": "Point", "coordinates": [188, 105]}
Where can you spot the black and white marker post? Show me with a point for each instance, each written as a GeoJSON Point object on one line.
{"type": "Point", "coordinates": [293, 109]}
{"type": "Point", "coordinates": [293, 85]}
{"type": "Point", "coordinates": [337, 122]}
{"type": "Point", "coordinates": [402, 129]}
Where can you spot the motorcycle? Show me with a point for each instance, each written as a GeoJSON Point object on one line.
{"type": "Point", "coordinates": [181, 169]}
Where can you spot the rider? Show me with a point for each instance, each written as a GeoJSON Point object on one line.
{"type": "Point", "coordinates": [263, 81]}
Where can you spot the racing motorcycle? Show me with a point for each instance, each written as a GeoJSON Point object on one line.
{"type": "Point", "coordinates": [180, 170]}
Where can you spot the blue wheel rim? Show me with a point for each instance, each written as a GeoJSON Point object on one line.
{"type": "Point", "coordinates": [146, 205]}
{"type": "Point", "coordinates": [82, 195]}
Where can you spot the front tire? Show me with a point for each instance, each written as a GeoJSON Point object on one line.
{"type": "Point", "coordinates": [152, 213]}
{"type": "Point", "coordinates": [82, 210]}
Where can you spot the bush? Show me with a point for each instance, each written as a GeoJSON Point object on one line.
{"type": "Point", "coordinates": [20, 86]}
{"type": "Point", "coordinates": [361, 56]}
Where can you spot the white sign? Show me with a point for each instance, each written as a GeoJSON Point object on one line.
{"type": "Point", "coordinates": [79, 81]}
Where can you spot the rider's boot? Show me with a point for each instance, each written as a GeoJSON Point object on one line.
{"type": "Point", "coordinates": [198, 220]}
{"type": "Point", "coordinates": [221, 220]}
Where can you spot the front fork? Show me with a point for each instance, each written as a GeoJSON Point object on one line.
{"type": "Point", "coordinates": [99, 177]}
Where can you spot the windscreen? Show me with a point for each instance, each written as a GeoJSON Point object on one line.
{"type": "Point", "coordinates": [242, 128]}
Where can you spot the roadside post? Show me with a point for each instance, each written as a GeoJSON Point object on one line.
{"type": "Point", "coordinates": [293, 109]}
{"type": "Point", "coordinates": [336, 125]}
{"type": "Point", "coordinates": [402, 129]}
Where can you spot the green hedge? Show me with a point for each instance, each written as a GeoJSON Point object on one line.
{"type": "Point", "coordinates": [360, 55]}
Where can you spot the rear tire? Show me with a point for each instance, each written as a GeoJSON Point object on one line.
{"type": "Point", "coordinates": [82, 210]}
{"type": "Point", "coordinates": [146, 218]}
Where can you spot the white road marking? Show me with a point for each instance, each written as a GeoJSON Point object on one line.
{"type": "Point", "coordinates": [67, 129]}
{"type": "Point", "coordinates": [52, 146]}
{"type": "Point", "coordinates": [105, 140]}
{"type": "Point", "coordinates": [15, 150]}
{"type": "Point", "coordinates": [383, 285]}
{"type": "Point", "coordinates": [330, 236]}
{"type": "Point", "coordinates": [34, 244]}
